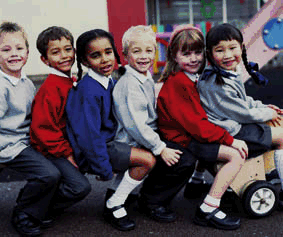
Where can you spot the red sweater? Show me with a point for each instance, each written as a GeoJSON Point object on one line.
{"type": "Point", "coordinates": [181, 116]}
{"type": "Point", "coordinates": [48, 126]}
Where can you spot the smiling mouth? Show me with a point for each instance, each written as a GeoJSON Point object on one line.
{"type": "Point", "coordinates": [143, 63]}
{"type": "Point", "coordinates": [228, 63]}
{"type": "Point", "coordinates": [106, 68]}
{"type": "Point", "coordinates": [66, 63]}
{"type": "Point", "coordinates": [14, 61]}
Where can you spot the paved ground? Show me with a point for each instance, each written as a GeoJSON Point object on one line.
{"type": "Point", "coordinates": [85, 218]}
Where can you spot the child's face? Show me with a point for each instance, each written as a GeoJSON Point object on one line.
{"type": "Point", "coordinates": [190, 61]}
{"type": "Point", "coordinates": [13, 53]}
{"type": "Point", "coordinates": [227, 54]}
{"type": "Point", "coordinates": [141, 54]}
{"type": "Point", "coordinates": [60, 55]}
{"type": "Point", "coordinates": [100, 56]}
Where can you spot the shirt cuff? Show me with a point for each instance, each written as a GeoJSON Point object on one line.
{"type": "Point", "coordinates": [158, 149]}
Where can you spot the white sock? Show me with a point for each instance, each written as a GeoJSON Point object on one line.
{"type": "Point", "coordinates": [210, 204]}
{"type": "Point", "coordinates": [278, 160]}
{"type": "Point", "coordinates": [197, 177]}
{"type": "Point", "coordinates": [123, 190]}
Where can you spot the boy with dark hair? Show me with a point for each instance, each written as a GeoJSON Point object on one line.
{"type": "Point", "coordinates": [16, 95]}
{"type": "Point", "coordinates": [48, 127]}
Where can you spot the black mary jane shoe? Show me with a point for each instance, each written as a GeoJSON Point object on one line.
{"type": "Point", "coordinates": [209, 219]}
{"type": "Point", "coordinates": [25, 224]}
{"type": "Point", "coordinates": [124, 223]}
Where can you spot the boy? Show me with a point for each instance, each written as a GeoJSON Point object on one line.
{"type": "Point", "coordinates": [16, 95]}
{"type": "Point", "coordinates": [48, 127]}
{"type": "Point", "coordinates": [134, 106]}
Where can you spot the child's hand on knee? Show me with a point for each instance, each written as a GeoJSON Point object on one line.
{"type": "Point", "coordinates": [170, 156]}
{"type": "Point", "coordinates": [242, 147]}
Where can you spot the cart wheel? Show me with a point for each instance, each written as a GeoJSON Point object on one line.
{"type": "Point", "coordinates": [260, 199]}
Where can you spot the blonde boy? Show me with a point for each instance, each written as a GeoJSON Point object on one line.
{"type": "Point", "coordinates": [134, 104]}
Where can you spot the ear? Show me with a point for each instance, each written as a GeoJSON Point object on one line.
{"type": "Point", "coordinates": [45, 60]}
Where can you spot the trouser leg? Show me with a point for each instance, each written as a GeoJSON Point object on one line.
{"type": "Point", "coordinates": [73, 185]}
{"type": "Point", "coordinates": [42, 178]}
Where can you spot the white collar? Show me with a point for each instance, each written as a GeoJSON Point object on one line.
{"type": "Point", "coordinates": [193, 77]}
{"type": "Point", "coordinates": [141, 77]}
{"type": "Point", "coordinates": [103, 80]}
{"type": "Point", "coordinates": [237, 72]}
{"type": "Point", "coordinates": [14, 80]}
{"type": "Point", "coordinates": [58, 73]}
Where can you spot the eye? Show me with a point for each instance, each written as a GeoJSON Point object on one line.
{"type": "Point", "coordinates": [198, 52]}
{"type": "Point", "coordinates": [218, 50]}
{"type": "Point", "coordinates": [94, 56]}
{"type": "Point", "coordinates": [187, 53]}
{"type": "Point", "coordinates": [69, 49]}
{"type": "Point", "coordinates": [55, 52]}
{"type": "Point", "coordinates": [5, 50]}
{"type": "Point", "coordinates": [109, 51]}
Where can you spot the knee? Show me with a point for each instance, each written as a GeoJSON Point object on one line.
{"type": "Point", "coordinates": [52, 177]}
{"type": "Point", "coordinates": [150, 161]}
{"type": "Point", "coordinates": [237, 159]}
{"type": "Point", "coordinates": [83, 190]}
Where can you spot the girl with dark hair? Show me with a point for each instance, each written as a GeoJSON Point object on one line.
{"type": "Point", "coordinates": [91, 126]}
{"type": "Point", "coordinates": [182, 120]}
{"type": "Point", "coordinates": [224, 98]}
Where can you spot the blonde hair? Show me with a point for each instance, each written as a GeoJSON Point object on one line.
{"type": "Point", "coordinates": [10, 27]}
{"type": "Point", "coordinates": [187, 39]}
{"type": "Point", "coordinates": [137, 31]}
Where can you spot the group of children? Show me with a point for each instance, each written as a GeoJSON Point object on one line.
{"type": "Point", "coordinates": [95, 124]}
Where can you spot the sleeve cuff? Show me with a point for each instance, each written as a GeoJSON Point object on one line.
{"type": "Point", "coordinates": [157, 150]}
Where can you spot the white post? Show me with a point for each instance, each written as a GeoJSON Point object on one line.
{"type": "Point", "coordinates": [191, 12]}
{"type": "Point", "coordinates": [224, 11]}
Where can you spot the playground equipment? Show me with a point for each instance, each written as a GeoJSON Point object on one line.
{"type": "Point", "coordinates": [262, 36]}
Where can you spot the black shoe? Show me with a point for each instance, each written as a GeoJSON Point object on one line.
{"type": "Point", "coordinates": [123, 223]}
{"type": "Point", "coordinates": [280, 201]}
{"type": "Point", "coordinates": [47, 223]}
{"type": "Point", "coordinates": [25, 224]}
{"type": "Point", "coordinates": [157, 212]}
{"type": "Point", "coordinates": [209, 219]}
{"type": "Point", "coordinates": [132, 198]}
{"type": "Point", "coordinates": [193, 190]}
{"type": "Point", "coordinates": [273, 177]}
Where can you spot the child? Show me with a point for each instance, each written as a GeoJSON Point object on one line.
{"type": "Point", "coordinates": [182, 120]}
{"type": "Point", "coordinates": [16, 95]}
{"type": "Point", "coordinates": [223, 96]}
{"type": "Point", "coordinates": [134, 96]}
{"type": "Point", "coordinates": [91, 125]}
{"type": "Point", "coordinates": [48, 127]}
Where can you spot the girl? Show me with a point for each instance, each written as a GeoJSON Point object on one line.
{"type": "Point", "coordinates": [191, 128]}
{"type": "Point", "coordinates": [223, 96]}
{"type": "Point", "coordinates": [91, 125]}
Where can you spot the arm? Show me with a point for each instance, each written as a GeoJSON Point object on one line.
{"type": "Point", "coordinates": [84, 118]}
{"type": "Point", "coordinates": [229, 105]}
{"type": "Point", "coordinates": [46, 127]}
{"type": "Point", "coordinates": [3, 102]}
{"type": "Point", "coordinates": [181, 102]}
{"type": "Point", "coordinates": [131, 109]}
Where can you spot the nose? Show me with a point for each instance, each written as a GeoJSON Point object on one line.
{"type": "Point", "coordinates": [228, 54]}
{"type": "Point", "coordinates": [104, 58]}
{"type": "Point", "coordinates": [193, 57]}
{"type": "Point", "coordinates": [64, 54]}
{"type": "Point", "coordinates": [14, 52]}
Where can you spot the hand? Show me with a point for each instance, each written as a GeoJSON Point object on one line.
{"type": "Point", "coordinates": [242, 147]}
{"type": "Point", "coordinates": [170, 156]}
{"type": "Point", "coordinates": [72, 160]}
{"type": "Point", "coordinates": [277, 109]}
{"type": "Point", "coordinates": [276, 119]}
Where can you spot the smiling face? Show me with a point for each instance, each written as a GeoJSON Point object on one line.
{"type": "Point", "coordinates": [141, 54]}
{"type": "Point", "coordinates": [190, 61]}
{"type": "Point", "coordinates": [13, 53]}
{"type": "Point", "coordinates": [60, 55]}
{"type": "Point", "coordinates": [100, 56]}
{"type": "Point", "coordinates": [227, 54]}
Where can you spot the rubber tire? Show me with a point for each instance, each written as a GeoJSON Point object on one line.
{"type": "Point", "coordinates": [250, 192]}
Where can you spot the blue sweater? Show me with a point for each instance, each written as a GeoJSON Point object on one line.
{"type": "Point", "coordinates": [90, 125]}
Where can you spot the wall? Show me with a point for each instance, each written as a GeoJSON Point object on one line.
{"type": "Point", "coordinates": [36, 15]}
